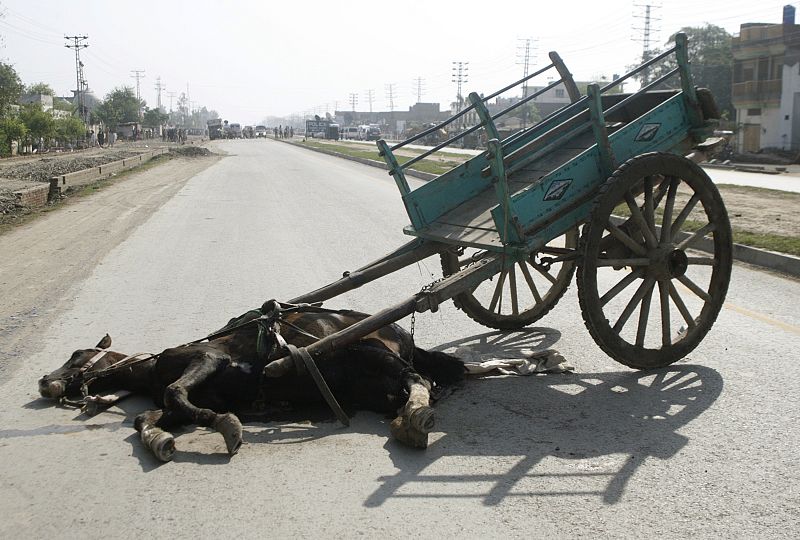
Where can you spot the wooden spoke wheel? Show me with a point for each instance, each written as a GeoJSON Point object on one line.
{"type": "Point", "coordinates": [520, 295]}
{"type": "Point", "coordinates": [646, 297]}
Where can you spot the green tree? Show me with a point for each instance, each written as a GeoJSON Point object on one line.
{"type": "Point", "coordinates": [153, 118]}
{"type": "Point", "coordinates": [69, 129]}
{"type": "Point", "coordinates": [11, 129]}
{"type": "Point", "coordinates": [38, 122]}
{"type": "Point", "coordinates": [40, 88]}
{"type": "Point", "coordinates": [711, 62]}
{"type": "Point", "coordinates": [120, 105]}
{"type": "Point", "coordinates": [10, 87]}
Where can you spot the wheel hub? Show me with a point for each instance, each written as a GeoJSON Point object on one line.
{"type": "Point", "coordinates": [667, 263]}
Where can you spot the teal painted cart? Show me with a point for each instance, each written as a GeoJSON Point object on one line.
{"type": "Point", "coordinates": [607, 185]}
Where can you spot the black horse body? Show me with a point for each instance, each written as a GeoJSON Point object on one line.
{"type": "Point", "coordinates": [203, 383]}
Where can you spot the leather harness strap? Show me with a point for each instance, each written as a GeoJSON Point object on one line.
{"type": "Point", "coordinates": [312, 369]}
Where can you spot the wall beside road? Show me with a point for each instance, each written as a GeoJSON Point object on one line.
{"type": "Point", "coordinates": [60, 184]}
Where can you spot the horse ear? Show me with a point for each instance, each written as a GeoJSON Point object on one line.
{"type": "Point", "coordinates": [104, 343]}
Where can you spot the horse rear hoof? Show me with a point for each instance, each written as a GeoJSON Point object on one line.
{"type": "Point", "coordinates": [231, 429]}
{"type": "Point", "coordinates": [163, 446]}
{"type": "Point", "coordinates": [403, 431]}
{"type": "Point", "coordinates": [423, 419]}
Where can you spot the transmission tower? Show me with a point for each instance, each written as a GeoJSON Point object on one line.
{"type": "Point", "coordinates": [171, 96]}
{"type": "Point", "coordinates": [159, 87]}
{"type": "Point", "coordinates": [138, 74]}
{"type": "Point", "coordinates": [646, 39]}
{"type": "Point", "coordinates": [419, 83]}
{"type": "Point", "coordinates": [524, 53]}
{"type": "Point", "coordinates": [460, 76]}
{"type": "Point", "coordinates": [353, 101]}
{"type": "Point", "coordinates": [390, 96]}
{"type": "Point", "coordinates": [370, 98]}
{"type": "Point", "coordinates": [78, 44]}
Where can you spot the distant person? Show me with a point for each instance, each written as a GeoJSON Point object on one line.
{"type": "Point", "coordinates": [93, 137]}
{"type": "Point", "coordinates": [291, 132]}
{"type": "Point", "coordinates": [101, 137]}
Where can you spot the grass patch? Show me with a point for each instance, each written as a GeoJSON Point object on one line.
{"type": "Point", "coordinates": [773, 242]}
{"type": "Point", "coordinates": [426, 165]}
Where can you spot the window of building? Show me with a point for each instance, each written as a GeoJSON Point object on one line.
{"type": "Point", "coordinates": [753, 112]}
{"type": "Point", "coordinates": [559, 92]}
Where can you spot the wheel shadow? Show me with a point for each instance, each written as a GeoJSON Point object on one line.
{"type": "Point", "coordinates": [521, 421]}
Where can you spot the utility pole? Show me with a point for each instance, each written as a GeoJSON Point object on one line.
{"type": "Point", "coordinates": [390, 97]}
{"type": "Point", "coordinates": [159, 87]}
{"type": "Point", "coordinates": [171, 96]}
{"type": "Point", "coordinates": [647, 53]}
{"type": "Point", "coordinates": [78, 44]}
{"type": "Point", "coordinates": [138, 74]}
{"type": "Point", "coordinates": [353, 101]}
{"type": "Point", "coordinates": [419, 82]}
{"type": "Point", "coordinates": [524, 51]}
{"type": "Point", "coordinates": [370, 98]}
{"type": "Point", "coordinates": [460, 77]}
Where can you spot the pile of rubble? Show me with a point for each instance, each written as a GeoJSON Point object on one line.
{"type": "Point", "coordinates": [43, 169]}
{"type": "Point", "coordinates": [190, 151]}
{"type": "Point", "coordinates": [8, 202]}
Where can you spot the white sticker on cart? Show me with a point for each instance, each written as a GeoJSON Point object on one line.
{"type": "Point", "coordinates": [557, 189]}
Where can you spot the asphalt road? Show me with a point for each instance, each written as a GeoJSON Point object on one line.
{"type": "Point", "coordinates": [706, 448]}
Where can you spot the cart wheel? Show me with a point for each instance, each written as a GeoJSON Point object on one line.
{"type": "Point", "coordinates": [626, 260]}
{"type": "Point", "coordinates": [518, 296]}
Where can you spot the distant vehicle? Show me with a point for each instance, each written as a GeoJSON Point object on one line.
{"type": "Point", "coordinates": [369, 133]}
{"type": "Point", "coordinates": [248, 132]}
{"type": "Point", "coordinates": [234, 131]}
{"type": "Point", "coordinates": [322, 129]}
{"type": "Point", "coordinates": [215, 128]}
{"type": "Point", "coordinates": [350, 132]}
{"type": "Point", "coordinates": [261, 131]}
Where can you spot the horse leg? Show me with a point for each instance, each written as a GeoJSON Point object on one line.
{"type": "Point", "coordinates": [149, 424]}
{"type": "Point", "coordinates": [176, 398]}
{"type": "Point", "coordinates": [415, 419]}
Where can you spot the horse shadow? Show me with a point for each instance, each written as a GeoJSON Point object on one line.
{"type": "Point", "coordinates": [521, 421]}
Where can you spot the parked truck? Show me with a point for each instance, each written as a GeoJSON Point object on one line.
{"type": "Point", "coordinates": [214, 128]}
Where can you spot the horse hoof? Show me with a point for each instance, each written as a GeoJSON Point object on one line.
{"type": "Point", "coordinates": [422, 419]}
{"type": "Point", "coordinates": [406, 434]}
{"type": "Point", "coordinates": [163, 446]}
{"type": "Point", "coordinates": [231, 429]}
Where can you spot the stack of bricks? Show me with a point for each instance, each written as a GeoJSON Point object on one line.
{"type": "Point", "coordinates": [33, 197]}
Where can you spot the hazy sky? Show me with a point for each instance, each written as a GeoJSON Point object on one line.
{"type": "Point", "coordinates": [249, 59]}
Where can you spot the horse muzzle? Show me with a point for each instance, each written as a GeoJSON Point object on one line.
{"type": "Point", "coordinates": [52, 389]}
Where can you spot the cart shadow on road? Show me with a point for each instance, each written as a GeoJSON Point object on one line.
{"type": "Point", "coordinates": [582, 434]}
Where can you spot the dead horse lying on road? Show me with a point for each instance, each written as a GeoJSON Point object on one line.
{"type": "Point", "coordinates": [205, 383]}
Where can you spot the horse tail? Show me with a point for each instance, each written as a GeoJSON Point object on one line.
{"type": "Point", "coordinates": [442, 368]}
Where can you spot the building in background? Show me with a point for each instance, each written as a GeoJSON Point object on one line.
{"type": "Point", "coordinates": [766, 84]}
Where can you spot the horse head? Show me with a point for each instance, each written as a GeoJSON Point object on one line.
{"type": "Point", "coordinates": [67, 380]}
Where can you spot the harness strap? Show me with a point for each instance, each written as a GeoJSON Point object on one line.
{"type": "Point", "coordinates": [311, 366]}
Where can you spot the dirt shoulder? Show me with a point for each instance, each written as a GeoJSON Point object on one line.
{"type": "Point", "coordinates": [49, 255]}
